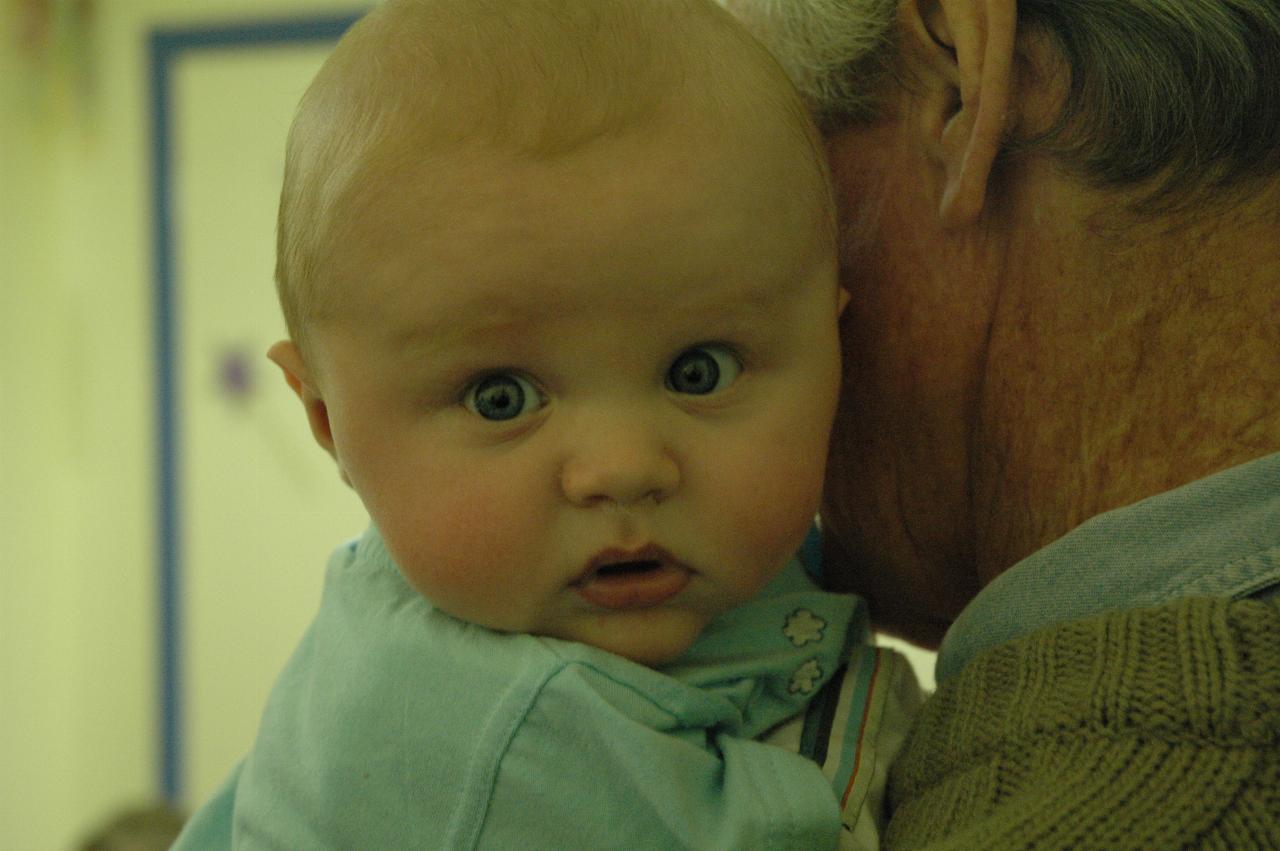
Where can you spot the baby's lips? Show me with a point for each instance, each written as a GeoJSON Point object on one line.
{"type": "Point", "coordinates": [640, 589]}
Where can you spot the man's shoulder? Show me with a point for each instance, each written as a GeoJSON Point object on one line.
{"type": "Point", "coordinates": [1215, 537]}
{"type": "Point", "coordinates": [1173, 707]}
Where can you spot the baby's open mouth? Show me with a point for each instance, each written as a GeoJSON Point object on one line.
{"type": "Point", "coordinates": [635, 579]}
{"type": "Point", "coordinates": [627, 568]}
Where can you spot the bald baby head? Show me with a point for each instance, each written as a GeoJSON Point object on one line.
{"type": "Point", "coordinates": [417, 83]}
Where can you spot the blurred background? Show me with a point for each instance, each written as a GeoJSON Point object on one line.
{"type": "Point", "coordinates": [164, 517]}
{"type": "Point", "coordinates": [163, 521]}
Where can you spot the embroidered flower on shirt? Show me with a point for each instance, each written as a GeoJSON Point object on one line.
{"type": "Point", "coordinates": [803, 627]}
{"type": "Point", "coordinates": [805, 677]}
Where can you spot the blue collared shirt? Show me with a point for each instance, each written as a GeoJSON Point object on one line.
{"type": "Point", "coordinates": [1216, 537]}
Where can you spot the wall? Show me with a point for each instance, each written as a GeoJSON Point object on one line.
{"type": "Point", "coordinates": [77, 608]}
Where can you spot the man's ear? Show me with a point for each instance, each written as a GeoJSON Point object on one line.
{"type": "Point", "coordinates": [967, 47]}
{"type": "Point", "coordinates": [286, 355]}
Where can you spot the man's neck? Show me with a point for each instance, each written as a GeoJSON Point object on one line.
{"type": "Point", "coordinates": [1124, 364]}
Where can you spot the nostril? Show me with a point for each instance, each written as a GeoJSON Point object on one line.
{"type": "Point", "coordinates": [619, 476]}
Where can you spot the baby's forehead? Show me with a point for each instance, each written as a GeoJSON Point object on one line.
{"type": "Point", "coordinates": [419, 83]}
{"type": "Point", "coordinates": [540, 76]}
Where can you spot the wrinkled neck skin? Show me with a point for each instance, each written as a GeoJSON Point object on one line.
{"type": "Point", "coordinates": [1124, 359]}
{"type": "Point", "coordinates": [1022, 353]}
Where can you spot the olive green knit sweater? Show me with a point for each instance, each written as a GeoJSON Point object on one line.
{"type": "Point", "coordinates": [1149, 728]}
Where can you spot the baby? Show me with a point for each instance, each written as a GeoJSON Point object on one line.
{"type": "Point", "coordinates": [560, 283]}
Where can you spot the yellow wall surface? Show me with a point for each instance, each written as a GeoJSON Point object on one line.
{"type": "Point", "coordinates": [78, 679]}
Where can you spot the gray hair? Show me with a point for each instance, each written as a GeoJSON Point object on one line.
{"type": "Point", "coordinates": [1181, 97]}
{"type": "Point", "coordinates": [835, 51]}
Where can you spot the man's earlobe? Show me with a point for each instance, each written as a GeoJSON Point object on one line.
{"type": "Point", "coordinates": [968, 49]}
{"type": "Point", "coordinates": [286, 355]}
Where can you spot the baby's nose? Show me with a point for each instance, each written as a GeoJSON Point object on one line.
{"type": "Point", "coordinates": [622, 464]}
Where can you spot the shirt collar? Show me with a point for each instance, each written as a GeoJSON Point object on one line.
{"type": "Point", "coordinates": [770, 656]}
{"type": "Point", "coordinates": [1219, 536]}
{"type": "Point", "coordinates": [750, 669]}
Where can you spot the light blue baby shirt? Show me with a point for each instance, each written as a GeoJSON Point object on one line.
{"type": "Point", "coordinates": [1216, 537]}
{"type": "Point", "coordinates": [395, 726]}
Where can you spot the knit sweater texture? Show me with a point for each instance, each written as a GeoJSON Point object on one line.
{"type": "Point", "coordinates": [1152, 728]}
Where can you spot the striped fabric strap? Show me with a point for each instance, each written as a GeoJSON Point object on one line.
{"type": "Point", "coordinates": [840, 727]}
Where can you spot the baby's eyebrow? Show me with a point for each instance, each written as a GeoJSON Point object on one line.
{"type": "Point", "coordinates": [501, 318]}
{"type": "Point", "coordinates": [454, 329]}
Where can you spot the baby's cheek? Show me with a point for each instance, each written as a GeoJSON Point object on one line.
{"type": "Point", "coordinates": [778, 517]}
{"type": "Point", "coordinates": [463, 555]}
{"type": "Point", "coordinates": [771, 507]}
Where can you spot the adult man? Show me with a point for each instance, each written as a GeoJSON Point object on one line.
{"type": "Point", "coordinates": [1058, 440]}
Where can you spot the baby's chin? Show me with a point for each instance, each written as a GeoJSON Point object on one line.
{"type": "Point", "coordinates": [650, 637]}
{"type": "Point", "coordinates": [653, 656]}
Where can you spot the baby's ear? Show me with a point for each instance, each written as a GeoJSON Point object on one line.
{"type": "Point", "coordinates": [286, 355]}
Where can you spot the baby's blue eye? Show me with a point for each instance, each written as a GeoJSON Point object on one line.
{"type": "Point", "coordinates": [502, 396]}
{"type": "Point", "coordinates": [702, 370]}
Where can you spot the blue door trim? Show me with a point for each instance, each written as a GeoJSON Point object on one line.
{"type": "Point", "coordinates": [166, 47]}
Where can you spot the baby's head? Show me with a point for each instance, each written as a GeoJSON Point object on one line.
{"type": "Point", "coordinates": [560, 283]}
